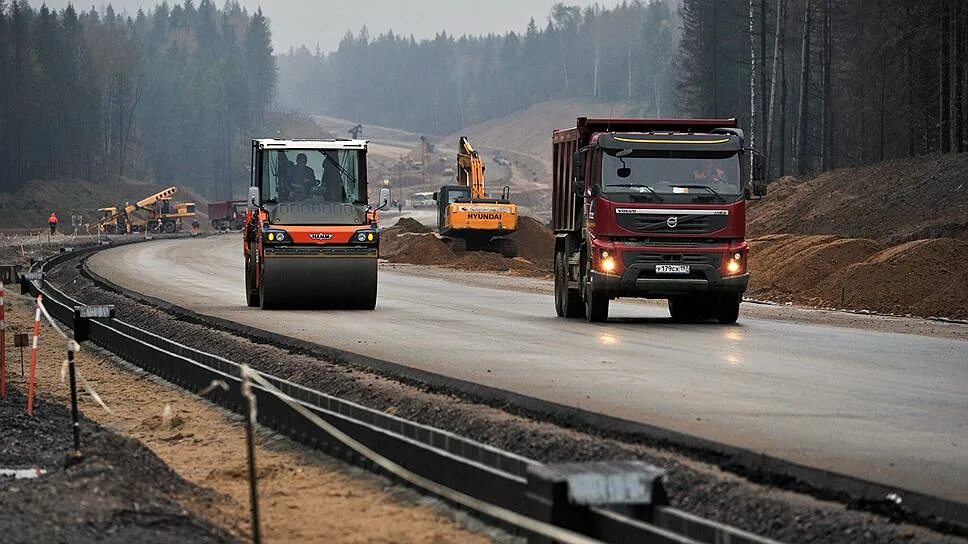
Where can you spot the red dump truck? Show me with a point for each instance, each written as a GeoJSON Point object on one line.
{"type": "Point", "coordinates": [228, 215]}
{"type": "Point", "coordinates": [652, 208]}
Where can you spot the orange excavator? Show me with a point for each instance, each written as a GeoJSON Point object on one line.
{"type": "Point", "coordinates": [467, 218]}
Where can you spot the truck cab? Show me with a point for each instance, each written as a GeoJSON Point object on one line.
{"type": "Point", "coordinates": [652, 209]}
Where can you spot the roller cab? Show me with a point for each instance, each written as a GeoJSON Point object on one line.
{"type": "Point", "coordinates": [311, 237]}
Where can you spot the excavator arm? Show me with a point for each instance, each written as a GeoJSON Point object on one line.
{"type": "Point", "coordinates": [470, 168]}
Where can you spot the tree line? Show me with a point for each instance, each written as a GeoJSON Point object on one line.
{"type": "Point", "coordinates": [169, 95]}
{"type": "Point", "coordinates": [440, 85]}
{"type": "Point", "coordinates": [823, 84]}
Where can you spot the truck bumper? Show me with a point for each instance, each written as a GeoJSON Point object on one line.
{"type": "Point", "coordinates": [640, 280]}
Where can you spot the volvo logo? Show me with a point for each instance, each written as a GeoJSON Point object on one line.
{"type": "Point", "coordinates": [672, 222]}
{"type": "Point", "coordinates": [320, 235]}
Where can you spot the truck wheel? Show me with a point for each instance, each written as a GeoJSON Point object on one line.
{"type": "Point", "coordinates": [568, 302]}
{"type": "Point", "coordinates": [251, 293]}
{"type": "Point", "coordinates": [729, 309]}
{"type": "Point", "coordinates": [507, 247]}
{"type": "Point", "coordinates": [169, 228]}
{"type": "Point", "coordinates": [596, 306]}
{"type": "Point", "coordinates": [683, 309]}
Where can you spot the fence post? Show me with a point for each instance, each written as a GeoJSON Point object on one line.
{"type": "Point", "coordinates": [250, 411]}
{"type": "Point", "coordinates": [33, 358]}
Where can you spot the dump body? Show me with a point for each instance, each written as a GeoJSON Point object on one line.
{"type": "Point", "coordinates": [652, 208]}
{"type": "Point", "coordinates": [310, 238]}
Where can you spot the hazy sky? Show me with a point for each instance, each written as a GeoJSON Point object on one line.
{"type": "Point", "coordinates": [297, 22]}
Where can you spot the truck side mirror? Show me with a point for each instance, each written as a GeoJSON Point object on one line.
{"type": "Point", "coordinates": [759, 176]}
{"type": "Point", "coordinates": [578, 165]}
{"type": "Point", "coordinates": [384, 197]}
{"type": "Point", "coordinates": [435, 196]}
{"type": "Point", "coordinates": [254, 201]}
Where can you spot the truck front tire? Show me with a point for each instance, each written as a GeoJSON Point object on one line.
{"type": "Point", "coordinates": [729, 309]}
{"type": "Point", "coordinates": [568, 302]}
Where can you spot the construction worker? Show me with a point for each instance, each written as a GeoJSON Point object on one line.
{"type": "Point", "coordinates": [52, 221]}
{"type": "Point", "coordinates": [195, 227]}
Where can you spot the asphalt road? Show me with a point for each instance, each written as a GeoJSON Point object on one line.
{"type": "Point", "coordinates": [888, 407]}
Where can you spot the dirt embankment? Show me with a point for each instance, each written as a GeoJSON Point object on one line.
{"type": "Point", "coordinates": [892, 202]}
{"type": "Point", "coordinates": [922, 277]}
{"type": "Point", "coordinates": [409, 241]}
{"type": "Point", "coordinates": [890, 237]}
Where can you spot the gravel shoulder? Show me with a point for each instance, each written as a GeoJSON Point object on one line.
{"type": "Point", "coordinates": [197, 456]}
{"type": "Point", "coordinates": [120, 492]}
{"type": "Point", "coordinates": [695, 484]}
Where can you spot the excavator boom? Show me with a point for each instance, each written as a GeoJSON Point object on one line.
{"type": "Point", "coordinates": [470, 168]}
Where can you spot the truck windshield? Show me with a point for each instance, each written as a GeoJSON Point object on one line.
{"type": "Point", "coordinates": [654, 173]}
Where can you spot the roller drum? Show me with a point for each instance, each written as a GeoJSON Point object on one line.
{"type": "Point", "coordinates": [318, 281]}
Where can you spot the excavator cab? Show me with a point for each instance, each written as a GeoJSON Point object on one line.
{"type": "Point", "coordinates": [448, 195]}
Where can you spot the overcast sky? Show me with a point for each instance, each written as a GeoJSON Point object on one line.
{"type": "Point", "coordinates": [298, 22]}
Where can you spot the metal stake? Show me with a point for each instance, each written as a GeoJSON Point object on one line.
{"type": "Point", "coordinates": [77, 455]}
{"type": "Point", "coordinates": [250, 415]}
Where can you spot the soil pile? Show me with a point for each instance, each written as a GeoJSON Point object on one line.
{"type": "Point", "coordinates": [536, 242]}
{"type": "Point", "coordinates": [411, 242]}
{"type": "Point", "coordinates": [414, 248]}
{"type": "Point", "coordinates": [892, 202]}
{"type": "Point", "coordinates": [411, 225]}
{"type": "Point", "coordinates": [922, 277]}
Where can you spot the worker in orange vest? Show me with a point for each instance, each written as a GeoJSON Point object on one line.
{"type": "Point", "coordinates": [52, 221]}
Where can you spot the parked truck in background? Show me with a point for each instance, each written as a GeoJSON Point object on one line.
{"type": "Point", "coordinates": [229, 215]}
{"type": "Point", "coordinates": [652, 208]}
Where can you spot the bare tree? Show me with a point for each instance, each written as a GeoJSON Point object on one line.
{"type": "Point", "coordinates": [777, 50]}
{"type": "Point", "coordinates": [800, 157]}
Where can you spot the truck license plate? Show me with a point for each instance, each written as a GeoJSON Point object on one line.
{"type": "Point", "coordinates": [672, 269]}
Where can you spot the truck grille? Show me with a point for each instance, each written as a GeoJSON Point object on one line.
{"type": "Point", "coordinates": [685, 224]}
{"type": "Point", "coordinates": [645, 257]}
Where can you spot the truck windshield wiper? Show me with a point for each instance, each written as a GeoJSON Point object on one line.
{"type": "Point", "coordinates": [636, 185]}
{"type": "Point", "coordinates": [706, 187]}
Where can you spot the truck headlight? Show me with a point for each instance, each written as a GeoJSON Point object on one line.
{"type": "Point", "coordinates": [607, 264]}
{"type": "Point", "coordinates": [733, 266]}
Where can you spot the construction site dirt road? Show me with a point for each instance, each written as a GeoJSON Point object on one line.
{"type": "Point", "coordinates": [886, 407]}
